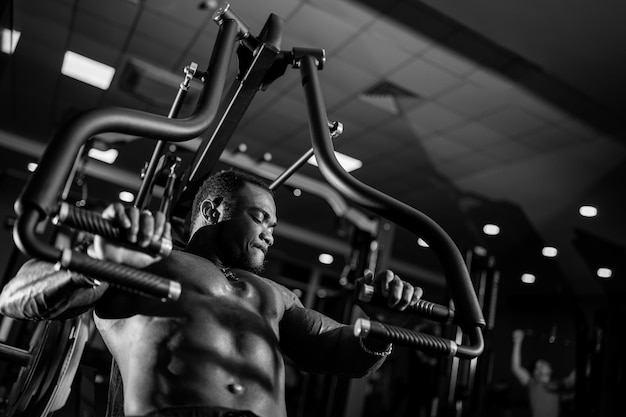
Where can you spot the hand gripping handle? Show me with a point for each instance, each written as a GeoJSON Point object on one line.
{"type": "Point", "coordinates": [92, 222]}
{"type": "Point", "coordinates": [368, 294]}
{"type": "Point", "coordinates": [365, 328]}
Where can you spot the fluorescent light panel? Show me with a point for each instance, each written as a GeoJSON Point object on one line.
{"type": "Point", "coordinates": [87, 70]}
{"type": "Point", "coordinates": [10, 38]}
{"type": "Point", "coordinates": [347, 162]}
{"type": "Point", "coordinates": [109, 156]}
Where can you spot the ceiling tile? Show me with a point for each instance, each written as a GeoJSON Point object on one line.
{"type": "Point", "coordinates": [372, 53]}
{"type": "Point", "coordinates": [548, 139]}
{"type": "Point", "coordinates": [398, 130]}
{"type": "Point", "coordinates": [489, 79]}
{"type": "Point", "coordinates": [441, 149]}
{"type": "Point", "coordinates": [538, 106]}
{"type": "Point", "coordinates": [474, 135]}
{"type": "Point", "coordinates": [186, 12]}
{"type": "Point", "coordinates": [358, 114]}
{"type": "Point", "coordinates": [94, 49]}
{"type": "Point", "coordinates": [509, 151]}
{"type": "Point", "coordinates": [308, 22]}
{"type": "Point", "coordinates": [164, 31]}
{"type": "Point", "coordinates": [256, 16]}
{"type": "Point", "coordinates": [348, 11]}
{"type": "Point", "coordinates": [467, 165]}
{"type": "Point", "coordinates": [45, 32]}
{"type": "Point", "coordinates": [154, 53]}
{"type": "Point", "coordinates": [345, 77]}
{"type": "Point", "coordinates": [423, 78]}
{"type": "Point", "coordinates": [119, 12]}
{"type": "Point", "coordinates": [94, 27]}
{"type": "Point", "coordinates": [449, 60]}
{"type": "Point", "coordinates": [472, 100]}
{"type": "Point", "coordinates": [399, 35]}
{"type": "Point", "coordinates": [580, 130]}
{"type": "Point", "coordinates": [512, 120]}
{"type": "Point", "coordinates": [432, 117]}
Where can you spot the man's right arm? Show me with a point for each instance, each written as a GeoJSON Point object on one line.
{"type": "Point", "coordinates": [40, 291]}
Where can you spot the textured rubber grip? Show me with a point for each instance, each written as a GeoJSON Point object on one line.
{"type": "Point", "coordinates": [401, 336]}
{"type": "Point", "coordinates": [93, 222]}
{"type": "Point", "coordinates": [427, 309]}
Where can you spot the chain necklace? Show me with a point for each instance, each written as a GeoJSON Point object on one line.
{"type": "Point", "coordinates": [230, 275]}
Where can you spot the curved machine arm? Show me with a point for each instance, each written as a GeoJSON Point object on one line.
{"type": "Point", "coordinates": [39, 199]}
{"type": "Point", "coordinates": [468, 313]}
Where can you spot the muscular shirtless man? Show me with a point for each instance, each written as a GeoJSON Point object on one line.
{"type": "Point", "coordinates": [220, 347]}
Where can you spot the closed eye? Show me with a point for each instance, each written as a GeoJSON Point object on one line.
{"type": "Point", "coordinates": [260, 216]}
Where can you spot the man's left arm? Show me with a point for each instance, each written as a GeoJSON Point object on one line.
{"type": "Point", "coordinates": [319, 344]}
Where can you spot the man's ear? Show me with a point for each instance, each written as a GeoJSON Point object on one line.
{"type": "Point", "coordinates": [209, 210]}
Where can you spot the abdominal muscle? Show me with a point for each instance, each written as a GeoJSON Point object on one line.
{"type": "Point", "coordinates": [214, 351]}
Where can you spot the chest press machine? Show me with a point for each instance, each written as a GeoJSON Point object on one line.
{"type": "Point", "coordinates": [49, 365]}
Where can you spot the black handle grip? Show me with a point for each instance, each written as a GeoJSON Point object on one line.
{"type": "Point", "coordinates": [130, 279]}
{"type": "Point", "coordinates": [368, 294]}
{"type": "Point", "coordinates": [427, 343]}
{"type": "Point", "coordinates": [93, 222]}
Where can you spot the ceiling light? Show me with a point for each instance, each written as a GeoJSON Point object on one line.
{"type": "Point", "coordinates": [347, 162]}
{"type": "Point", "coordinates": [326, 258]}
{"type": "Point", "coordinates": [9, 40]}
{"type": "Point", "coordinates": [87, 70]}
{"type": "Point", "coordinates": [422, 242]}
{"type": "Point", "coordinates": [127, 196]}
{"type": "Point", "coordinates": [491, 229]}
{"type": "Point", "coordinates": [549, 252]}
{"type": "Point", "coordinates": [605, 273]}
{"type": "Point", "coordinates": [297, 192]}
{"type": "Point", "coordinates": [528, 278]}
{"type": "Point", "coordinates": [32, 166]}
{"type": "Point", "coordinates": [480, 251]}
{"type": "Point", "coordinates": [588, 211]}
{"type": "Point", "coordinates": [109, 156]}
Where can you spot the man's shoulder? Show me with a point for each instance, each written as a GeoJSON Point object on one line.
{"type": "Point", "coordinates": [289, 298]}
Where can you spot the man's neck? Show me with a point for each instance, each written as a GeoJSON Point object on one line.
{"type": "Point", "coordinates": [201, 245]}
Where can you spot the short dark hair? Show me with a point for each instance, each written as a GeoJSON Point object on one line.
{"type": "Point", "coordinates": [225, 184]}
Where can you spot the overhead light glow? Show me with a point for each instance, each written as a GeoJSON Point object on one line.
{"type": "Point", "coordinates": [127, 196]}
{"type": "Point", "coordinates": [528, 278]}
{"type": "Point", "coordinates": [549, 252]}
{"type": "Point", "coordinates": [347, 162]}
{"type": "Point", "coordinates": [9, 40]}
{"type": "Point", "coordinates": [297, 192]}
{"type": "Point", "coordinates": [491, 229]}
{"type": "Point", "coordinates": [588, 211]}
{"type": "Point", "coordinates": [109, 156]}
{"type": "Point", "coordinates": [422, 242]}
{"type": "Point", "coordinates": [480, 251]}
{"type": "Point", "coordinates": [32, 166]}
{"type": "Point", "coordinates": [326, 258]}
{"type": "Point", "coordinates": [87, 70]}
{"type": "Point", "coordinates": [605, 273]}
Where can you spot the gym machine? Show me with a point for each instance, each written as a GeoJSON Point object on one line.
{"type": "Point", "coordinates": [46, 369]}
